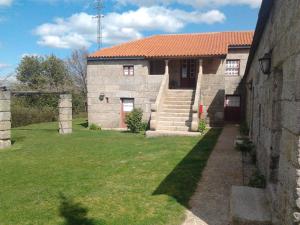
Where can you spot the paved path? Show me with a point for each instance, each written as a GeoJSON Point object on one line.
{"type": "Point", "coordinates": [210, 203]}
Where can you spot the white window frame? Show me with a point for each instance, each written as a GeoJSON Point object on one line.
{"type": "Point", "coordinates": [233, 67]}
{"type": "Point", "coordinates": [128, 70]}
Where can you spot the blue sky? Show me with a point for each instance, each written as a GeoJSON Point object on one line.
{"type": "Point", "coordinates": [43, 27]}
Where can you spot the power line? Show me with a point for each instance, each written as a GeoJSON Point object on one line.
{"type": "Point", "coordinates": [99, 6]}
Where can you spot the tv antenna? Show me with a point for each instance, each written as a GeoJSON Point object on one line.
{"type": "Point", "coordinates": [99, 6]}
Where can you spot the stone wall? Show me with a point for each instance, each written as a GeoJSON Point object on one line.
{"type": "Point", "coordinates": [216, 85]}
{"type": "Point", "coordinates": [65, 114]}
{"type": "Point", "coordinates": [273, 110]}
{"type": "Point", "coordinates": [107, 77]}
{"type": "Point", "coordinates": [5, 119]}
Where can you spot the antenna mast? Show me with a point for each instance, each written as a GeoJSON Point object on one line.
{"type": "Point", "coordinates": [99, 6]}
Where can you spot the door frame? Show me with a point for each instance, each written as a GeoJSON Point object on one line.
{"type": "Point", "coordinates": [190, 81]}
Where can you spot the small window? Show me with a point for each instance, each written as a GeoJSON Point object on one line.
{"type": "Point", "coordinates": [233, 67]}
{"type": "Point", "coordinates": [128, 104]}
{"type": "Point", "coordinates": [128, 70]}
{"type": "Point", "coordinates": [157, 67]}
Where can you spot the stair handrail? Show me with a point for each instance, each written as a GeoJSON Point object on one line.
{"type": "Point", "coordinates": [195, 108]}
{"type": "Point", "coordinates": [162, 90]}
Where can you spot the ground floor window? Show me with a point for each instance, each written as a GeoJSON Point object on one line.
{"type": "Point", "coordinates": [127, 105]}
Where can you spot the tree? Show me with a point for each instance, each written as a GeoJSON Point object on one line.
{"type": "Point", "coordinates": [77, 65]}
{"type": "Point", "coordinates": [56, 73]}
{"type": "Point", "coordinates": [29, 72]}
{"type": "Point", "coordinates": [48, 73]}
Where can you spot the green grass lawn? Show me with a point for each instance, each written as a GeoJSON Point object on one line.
{"type": "Point", "coordinates": [114, 178]}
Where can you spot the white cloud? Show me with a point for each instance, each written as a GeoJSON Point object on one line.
{"type": "Point", "coordinates": [80, 29]}
{"type": "Point", "coordinates": [4, 66]}
{"type": "Point", "coordinates": [5, 2]}
{"type": "Point", "coordinates": [193, 3]}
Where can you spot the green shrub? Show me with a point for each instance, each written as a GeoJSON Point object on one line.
{"type": "Point", "coordinates": [133, 120]}
{"type": "Point", "coordinates": [244, 129]}
{"type": "Point", "coordinates": [95, 127]}
{"type": "Point", "coordinates": [202, 126]}
{"type": "Point", "coordinates": [22, 116]}
{"type": "Point", "coordinates": [145, 126]}
{"type": "Point", "coordinates": [257, 180]}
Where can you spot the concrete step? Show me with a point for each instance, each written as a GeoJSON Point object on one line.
{"type": "Point", "coordinates": [176, 102]}
{"type": "Point", "coordinates": [180, 94]}
{"type": "Point", "coordinates": [174, 123]}
{"type": "Point", "coordinates": [176, 114]}
{"type": "Point", "coordinates": [249, 206]}
{"type": "Point", "coordinates": [168, 106]}
{"type": "Point", "coordinates": [177, 119]}
{"type": "Point", "coordinates": [173, 128]}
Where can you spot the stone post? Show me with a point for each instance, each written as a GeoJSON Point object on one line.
{"type": "Point", "coordinates": [5, 119]}
{"type": "Point", "coordinates": [65, 114]}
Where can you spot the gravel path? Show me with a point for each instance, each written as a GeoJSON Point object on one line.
{"type": "Point", "coordinates": [210, 203]}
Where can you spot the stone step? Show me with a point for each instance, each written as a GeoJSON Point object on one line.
{"type": "Point", "coordinates": [249, 206]}
{"type": "Point", "coordinates": [176, 114]}
{"type": "Point", "coordinates": [173, 128]}
{"type": "Point", "coordinates": [174, 123]}
{"type": "Point", "coordinates": [179, 98]}
{"type": "Point", "coordinates": [175, 102]}
{"type": "Point", "coordinates": [187, 111]}
{"type": "Point", "coordinates": [168, 106]}
{"type": "Point", "coordinates": [180, 94]}
{"type": "Point", "coordinates": [163, 133]}
{"type": "Point", "coordinates": [178, 119]}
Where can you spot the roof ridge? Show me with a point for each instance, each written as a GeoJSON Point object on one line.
{"type": "Point", "coordinates": [199, 33]}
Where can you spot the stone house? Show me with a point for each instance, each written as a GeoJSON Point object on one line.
{"type": "Point", "coordinates": [272, 81]}
{"type": "Point", "coordinates": [174, 79]}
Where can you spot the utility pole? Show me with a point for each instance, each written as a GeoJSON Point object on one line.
{"type": "Point", "coordinates": [99, 6]}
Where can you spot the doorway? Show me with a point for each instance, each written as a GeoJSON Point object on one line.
{"type": "Point", "coordinates": [233, 108]}
{"type": "Point", "coordinates": [188, 74]}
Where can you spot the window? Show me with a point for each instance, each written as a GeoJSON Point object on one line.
{"type": "Point", "coordinates": [157, 67]}
{"type": "Point", "coordinates": [233, 67]}
{"type": "Point", "coordinates": [128, 70]}
{"type": "Point", "coordinates": [128, 104]}
{"type": "Point", "coordinates": [188, 68]}
{"type": "Point", "coordinates": [233, 101]}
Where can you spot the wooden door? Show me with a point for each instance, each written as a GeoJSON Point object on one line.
{"type": "Point", "coordinates": [188, 74]}
{"type": "Point", "coordinates": [127, 105]}
{"type": "Point", "coordinates": [233, 108]}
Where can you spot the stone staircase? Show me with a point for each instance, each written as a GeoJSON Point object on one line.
{"type": "Point", "coordinates": [176, 111]}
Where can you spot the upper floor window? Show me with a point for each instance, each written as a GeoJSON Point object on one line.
{"type": "Point", "coordinates": [233, 67]}
{"type": "Point", "coordinates": [157, 67]}
{"type": "Point", "coordinates": [128, 70]}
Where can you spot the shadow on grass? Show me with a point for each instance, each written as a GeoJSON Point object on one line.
{"type": "Point", "coordinates": [75, 213]}
{"type": "Point", "coordinates": [181, 183]}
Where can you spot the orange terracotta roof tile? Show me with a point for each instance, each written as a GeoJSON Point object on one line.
{"type": "Point", "coordinates": [178, 45]}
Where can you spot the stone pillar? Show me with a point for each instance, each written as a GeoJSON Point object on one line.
{"type": "Point", "coordinates": [5, 119]}
{"type": "Point", "coordinates": [167, 67]}
{"type": "Point", "coordinates": [65, 114]}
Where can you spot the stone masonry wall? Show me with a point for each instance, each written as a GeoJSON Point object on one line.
{"type": "Point", "coordinates": [107, 77]}
{"type": "Point", "coordinates": [5, 119]}
{"type": "Point", "coordinates": [216, 85]}
{"type": "Point", "coordinates": [65, 113]}
{"type": "Point", "coordinates": [273, 111]}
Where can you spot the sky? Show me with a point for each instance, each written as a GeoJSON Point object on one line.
{"type": "Point", "coordinates": [44, 27]}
